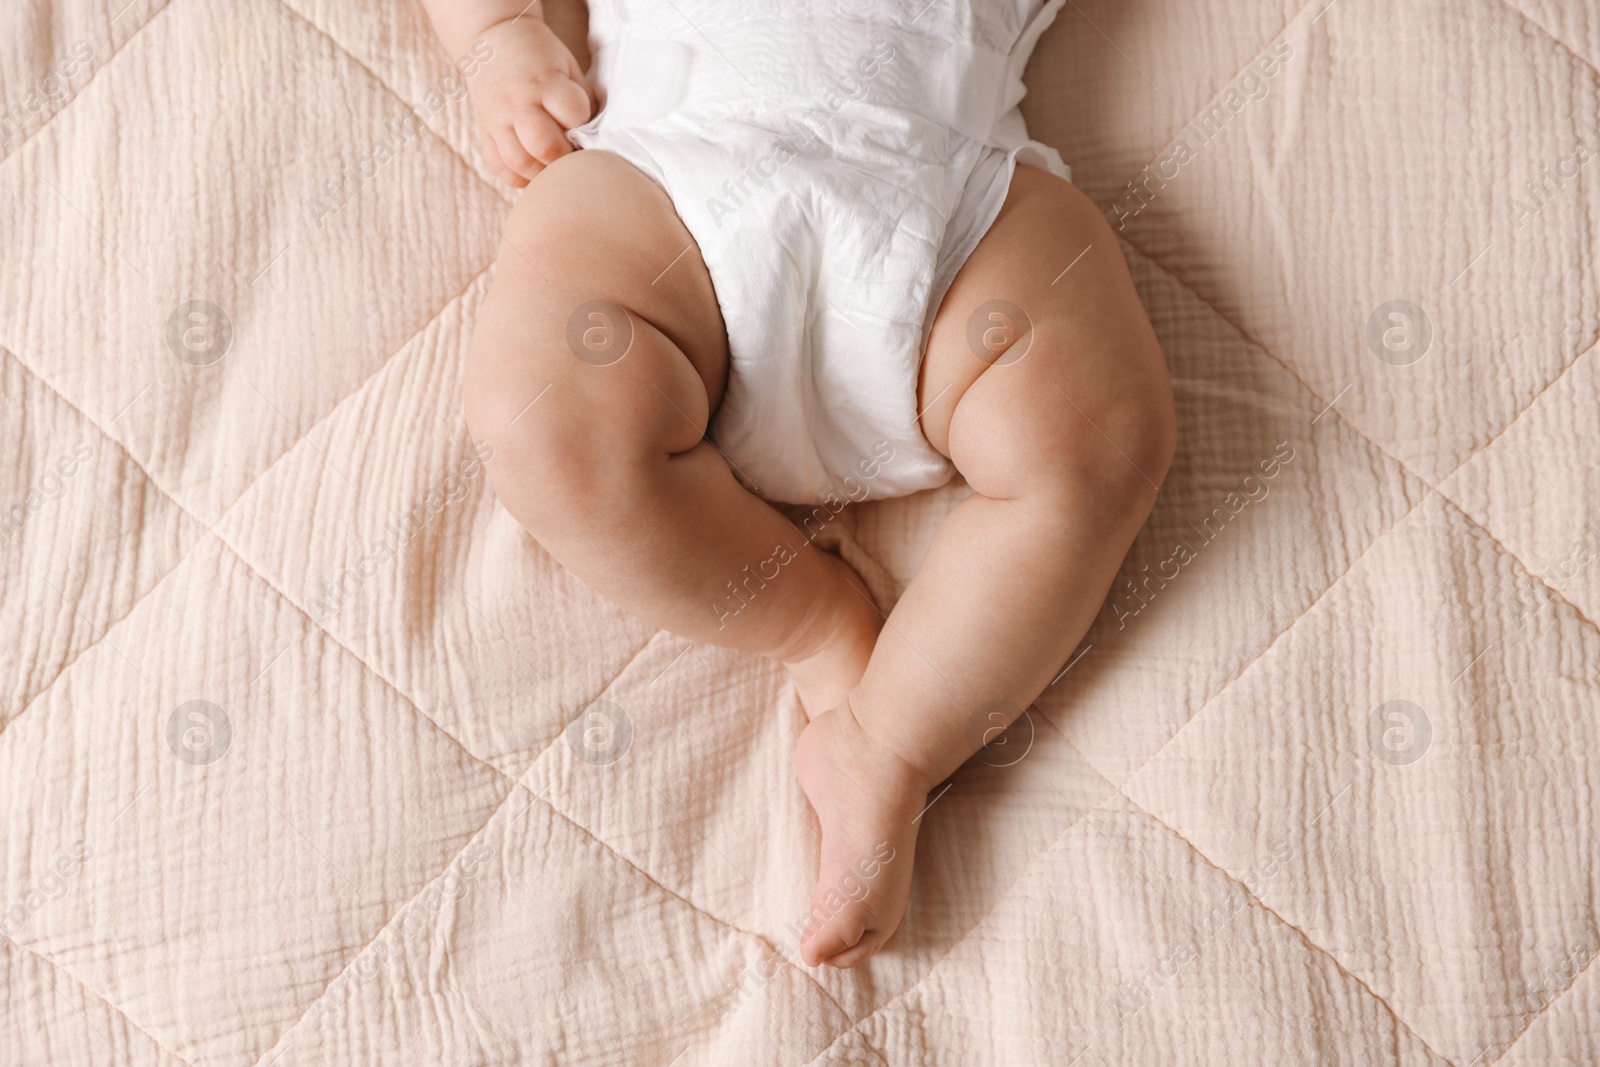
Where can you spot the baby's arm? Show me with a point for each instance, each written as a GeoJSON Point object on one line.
{"type": "Point", "coordinates": [528, 92]}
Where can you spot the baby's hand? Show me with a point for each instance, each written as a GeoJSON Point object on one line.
{"type": "Point", "coordinates": [525, 98]}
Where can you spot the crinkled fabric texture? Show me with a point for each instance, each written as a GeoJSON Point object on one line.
{"type": "Point", "coordinates": [1217, 838]}
{"type": "Point", "coordinates": [835, 164]}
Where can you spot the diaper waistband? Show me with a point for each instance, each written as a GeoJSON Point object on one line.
{"type": "Point", "coordinates": [772, 66]}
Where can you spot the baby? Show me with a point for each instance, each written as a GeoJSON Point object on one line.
{"type": "Point", "coordinates": [810, 255]}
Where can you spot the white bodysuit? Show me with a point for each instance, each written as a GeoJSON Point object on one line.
{"type": "Point", "coordinates": [836, 163]}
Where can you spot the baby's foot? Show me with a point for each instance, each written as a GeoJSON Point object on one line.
{"type": "Point", "coordinates": [865, 798]}
{"type": "Point", "coordinates": [849, 622]}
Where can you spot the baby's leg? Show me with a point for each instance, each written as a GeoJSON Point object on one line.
{"type": "Point", "coordinates": [1065, 447]}
{"type": "Point", "coordinates": [597, 416]}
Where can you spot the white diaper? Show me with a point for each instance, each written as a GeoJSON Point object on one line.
{"type": "Point", "coordinates": [836, 162]}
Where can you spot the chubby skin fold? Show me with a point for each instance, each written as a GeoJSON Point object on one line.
{"type": "Point", "coordinates": [1061, 421]}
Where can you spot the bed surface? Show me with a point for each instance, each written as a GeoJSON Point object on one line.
{"type": "Point", "coordinates": [285, 772]}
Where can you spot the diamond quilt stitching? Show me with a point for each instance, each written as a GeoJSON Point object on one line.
{"type": "Point", "coordinates": [305, 434]}
{"type": "Point", "coordinates": [379, 81]}
{"type": "Point", "coordinates": [123, 448]}
{"type": "Point", "coordinates": [294, 12]}
{"type": "Point", "coordinates": [90, 991]}
{"type": "Point", "coordinates": [383, 678]}
{"type": "Point", "coordinates": [1444, 496]}
{"type": "Point", "coordinates": [1000, 899]}
{"type": "Point", "coordinates": [1166, 270]}
{"type": "Point", "coordinates": [16, 148]}
{"type": "Point", "coordinates": [1553, 1002]}
{"type": "Point", "coordinates": [1244, 334]}
{"type": "Point", "coordinates": [34, 699]}
{"type": "Point", "coordinates": [1286, 365]}
{"type": "Point", "coordinates": [384, 86]}
{"type": "Point", "coordinates": [1378, 447]}
{"type": "Point", "coordinates": [1380, 450]}
{"type": "Point", "coordinates": [1516, 561]}
{"type": "Point", "coordinates": [398, 911]}
{"type": "Point", "coordinates": [1539, 28]}
{"type": "Point", "coordinates": [1393, 1014]}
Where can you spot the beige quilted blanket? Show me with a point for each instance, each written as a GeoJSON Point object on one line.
{"type": "Point", "coordinates": [286, 774]}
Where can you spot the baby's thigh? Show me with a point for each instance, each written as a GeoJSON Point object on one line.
{"type": "Point", "coordinates": [596, 272]}
{"type": "Point", "coordinates": [1041, 346]}
{"type": "Point", "coordinates": [599, 345]}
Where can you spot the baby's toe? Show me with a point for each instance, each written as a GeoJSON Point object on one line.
{"type": "Point", "coordinates": [840, 935]}
{"type": "Point", "coordinates": [860, 952]}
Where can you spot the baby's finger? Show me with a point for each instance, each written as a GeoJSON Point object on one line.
{"type": "Point", "coordinates": [575, 72]}
{"type": "Point", "coordinates": [515, 156]}
{"type": "Point", "coordinates": [567, 101]}
{"type": "Point", "coordinates": [541, 136]}
{"type": "Point", "coordinates": [501, 171]}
